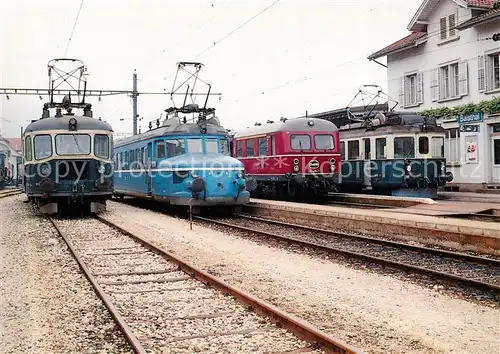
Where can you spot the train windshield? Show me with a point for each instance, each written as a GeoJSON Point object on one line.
{"type": "Point", "coordinates": [73, 144]}
{"type": "Point", "coordinates": [211, 146]}
{"type": "Point", "coordinates": [43, 146]}
{"type": "Point", "coordinates": [101, 146]}
{"type": "Point", "coordinates": [175, 147]}
{"type": "Point", "coordinates": [404, 148]}
{"type": "Point", "coordinates": [301, 142]}
{"type": "Point", "coordinates": [194, 146]}
{"type": "Point", "coordinates": [324, 142]}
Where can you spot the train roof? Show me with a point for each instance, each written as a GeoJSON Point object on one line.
{"type": "Point", "coordinates": [174, 128]}
{"type": "Point", "coordinates": [62, 123]}
{"type": "Point", "coordinates": [290, 125]}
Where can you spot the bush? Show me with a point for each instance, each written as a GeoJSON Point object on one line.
{"type": "Point", "coordinates": [489, 107]}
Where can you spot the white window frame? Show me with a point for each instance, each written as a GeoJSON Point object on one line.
{"type": "Point", "coordinates": [486, 78]}
{"type": "Point", "coordinates": [450, 81]}
{"type": "Point", "coordinates": [452, 144]}
{"type": "Point", "coordinates": [411, 89]}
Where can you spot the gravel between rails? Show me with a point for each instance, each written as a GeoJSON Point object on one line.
{"type": "Point", "coordinates": [170, 312]}
{"type": "Point", "coordinates": [46, 304]}
{"type": "Point", "coordinates": [375, 312]}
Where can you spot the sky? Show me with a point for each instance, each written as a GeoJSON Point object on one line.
{"type": "Point", "coordinates": [296, 56]}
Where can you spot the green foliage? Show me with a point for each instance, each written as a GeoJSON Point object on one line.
{"type": "Point", "coordinates": [489, 107]}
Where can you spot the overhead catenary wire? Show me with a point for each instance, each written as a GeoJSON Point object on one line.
{"type": "Point", "coordinates": [74, 26]}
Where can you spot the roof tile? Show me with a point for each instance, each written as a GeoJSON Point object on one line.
{"type": "Point", "coordinates": [405, 42]}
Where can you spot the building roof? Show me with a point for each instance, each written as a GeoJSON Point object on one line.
{"type": "Point", "coordinates": [478, 20]}
{"type": "Point", "coordinates": [411, 40]}
{"type": "Point", "coordinates": [15, 143]}
{"type": "Point", "coordinates": [481, 3]}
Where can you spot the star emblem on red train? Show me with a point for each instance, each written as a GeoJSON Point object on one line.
{"type": "Point", "coordinates": [281, 162]}
{"type": "Point", "coordinates": [261, 162]}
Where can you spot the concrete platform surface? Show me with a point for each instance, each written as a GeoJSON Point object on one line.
{"type": "Point", "coordinates": [449, 208]}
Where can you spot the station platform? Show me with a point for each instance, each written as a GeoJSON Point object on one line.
{"type": "Point", "coordinates": [426, 227]}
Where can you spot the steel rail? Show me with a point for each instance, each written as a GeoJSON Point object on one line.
{"type": "Point", "coordinates": [126, 330]}
{"type": "Point", "coordinates": [9, 194]}
{"type": "Point", "coordinates": [374, 259]}
{"type": "Point", "coordinates": [295, 325]}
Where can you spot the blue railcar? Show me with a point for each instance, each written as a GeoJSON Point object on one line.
{"type": "Point", "coordinates": [181, 163]}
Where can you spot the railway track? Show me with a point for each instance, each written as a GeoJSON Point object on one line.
{"type": "Point", "coordinates": [8, 193]}
{"type": "Point", "coordinates": [163, 304]}
{"type": "Point", "coordinates": [456, 267]}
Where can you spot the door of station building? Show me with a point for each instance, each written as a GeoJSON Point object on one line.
{"type": "Point", "coordinates": [495, 146]}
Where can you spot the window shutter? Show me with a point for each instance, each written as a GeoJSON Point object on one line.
{"type": "Point", "coordinates": [442, 25]}
{"type": "Point", "coordinates": [481, 73]}
{"type": "Point", "coordinates": [435, 85]}
{"type": "Point", "coordinates": [452, 24]}
{"type": "Point", "coordinates": [420, 87]}
{"type": "Point", "coordinates": [402, 91]}
{"type": "Point", "coordinates": [463, 78]}
{"type": "Point", "coordinates": [488, 74]}
{"type": "Point", "coordinates": [407, 91]}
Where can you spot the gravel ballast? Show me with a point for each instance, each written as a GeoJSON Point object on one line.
{"type": "Point", "coordinates": [375, 312]}
{"type": "Point", "coordinates": [47, 305]}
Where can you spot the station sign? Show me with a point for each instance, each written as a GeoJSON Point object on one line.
{"type": "Point", "coordinates": [469, 128]}
{"type": "Point", "coordinates": [473, 117]}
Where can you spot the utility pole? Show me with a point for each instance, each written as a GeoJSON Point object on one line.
{"type": "Point", "coordinates": [134, 102]}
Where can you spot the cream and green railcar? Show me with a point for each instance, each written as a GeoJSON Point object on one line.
{"type": "Point", "coordinates": [67, 161]}
{"type": "Point", "coordinates": [395, 154]}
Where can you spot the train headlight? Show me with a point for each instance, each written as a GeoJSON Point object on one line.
{"type": "Point", "coordinates": [45, 170]}
{"type": "Point", "coordinates": [408, 168]}
{"type": "Point", "coordinates": [296, 161]}
{"type": "Point", "coordinates": [296, 168]}
{"type": "Point", "coordinates": [239, 174]}
{"type": "Point", "coordinates": [101, 169]}
{"type": "Point", "coordinates": [332, 167]}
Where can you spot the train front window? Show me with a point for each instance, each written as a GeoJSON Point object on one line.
{"type": "Point", "coordinates": [211, 146]}
{"type": "Point", "coordinates": [43, 146]}
{"type": "Point", "coordinates": [194, 146]}
{"type": "Point", "coordinates": [101, 146]}
{"type": "Point", "coordinates": [224, 147]}
{"type": "Point", "coordinates": [423, 145]}
{"type": "Point", "coordinates": [437, 147]}
{"type": "Point", "coordinates": [300, 142]}
{"type": "Point", "coordinates": [404, 148]}
{"type": "Point", "coordinates": [73, 144]}
{"type": "Point", "coordinates": [175, 147]}
{"type": "Point", "coordinates": [324, 142]}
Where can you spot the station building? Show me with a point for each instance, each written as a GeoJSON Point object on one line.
{"type": "Point", "coordinates": [10, 150]}
{"type": "Point", "coordinates": [450, 59]}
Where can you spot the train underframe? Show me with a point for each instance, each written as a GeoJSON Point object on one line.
{"type": "Point", "coordinates": [295, 186]}
{"type": "Point", "coordinates": [55, 203]}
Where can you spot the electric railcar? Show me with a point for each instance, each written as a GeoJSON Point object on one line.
{"type": "Point", "coordinates": [291, 159]}
{"type": "Point", "coordinates": [181, 163]}
{"type": "Point", "coordinates": [67, 161]}
{"type": "Point", "coordinates": [396, 153]}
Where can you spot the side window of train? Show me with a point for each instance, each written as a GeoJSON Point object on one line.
{"type": "Point", "coordinates": [250, 150]}
{"type": "Point", "coordinates": [101, 146]}
{"type": "Point", "coordinates": [342, 150]}
{"type": "Point", "coordinates": [353, 150]}
{"type": "Point", "coordinates": [43, 146]}
{"type": "Point", "coordinates": [273, 144]}
{"type": "Point", "coordinates": [423, 145]}
{"type": "Point", "coordinates": [150, 151]}
{"type": "Point", "coordinates": [131, 159]}
{"type": "Point", "coordinates": [160, 149]}
{"type": "Point", "coordinates": [28, 150]}
{"type": "Point", "coordinates": [125, 160]}
{"type": "Point", "coordinates": [380, 148]}
{"type": "Point", "coordinates": [239, 148]}
{"type": "Point", "coordinates": [404, 148]}
{"type": "Point", "coordinates": [224, 147]}
{"type": "Point", "coordinates": [175, 147]}
{"type": "Point", "coordinates": [262, 146]}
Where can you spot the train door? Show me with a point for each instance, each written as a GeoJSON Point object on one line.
{"type": "Point", "coordinates": [367, 161]}
{"type": "Point", "coordinates": [149, 178]}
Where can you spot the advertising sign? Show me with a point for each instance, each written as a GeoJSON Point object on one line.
{"type": "Point", "coordinates": [471, 150]}
{"type": "Point", "coordinates": [469, 128]}
{"type": "Point", "coordinates": [470, 117]}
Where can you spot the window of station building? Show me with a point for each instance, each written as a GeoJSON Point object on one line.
{"type": "Point", "coordinates": [324, 142]}
{"type": "Point", "coordinates": [250, 150]}
{"type": "Point", "coordinates": [452, 145]}
{"type": "Point", "coordinates": [423, 145]}
{"type": "Point", "coordinates": [101, 146]}
{"type": "Point", "coordinates": [437, 145]}
{"type": "Point", "coordinates": [211, 146]}
{"type": "Point", "coordinates": [224, 147]}
{"type": "Point", "coordinates": [175, 147]}
{"type": "Point", "coordinates": [300, 142]}
{"type": "Point", "coordinates": [43, 146]}
{"type": "Point", "coordinates": [342, 150]}
{"type": "Point", "coordinates": [262, 146]}
{"type": "Point", "coordinates": [496, 152]}
{"type": "Point", "coordinates": [27, 149]}
{"type": "Point", "coordinates": [404, 148]}
{"type": "Point", "coordinates": [353, 150]}
{"type": "Point", "coordinates": [194, 146]}
{"type": "Point", "coordinates": [73, 144]}
{"type": "Point", "coordinates": [380, 148]}
{"type": "Point", "coordinates": [239, 148]}
{"type": "Point", "coordinates": [160, 149]}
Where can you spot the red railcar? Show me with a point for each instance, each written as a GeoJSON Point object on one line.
{"type": "Point", "coordinates": [295, 157]}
